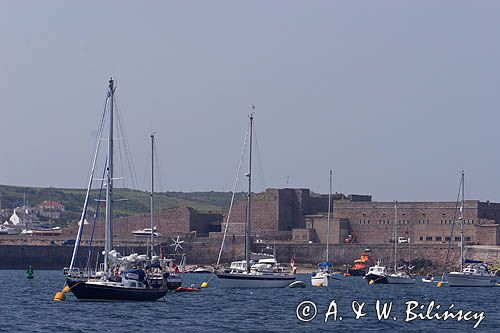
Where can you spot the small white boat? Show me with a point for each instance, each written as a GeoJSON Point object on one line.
{"type": "Point", "coordinates": [146, 232]}
{"type": "Point", "coordinates": [8, 231]}
{"type": "Point", "coordinates": [203, 270]}
{"type": "Point", "coordinates": [428, 279]}
{"type": "Point", "coordinates": [322, 277]}
{"type": "Point", "coordinates": [297, 284]}
{"type": "Point", "coordinates": [400, 277]}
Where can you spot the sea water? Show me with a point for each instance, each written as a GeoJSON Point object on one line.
{"type": "Point", "coordinates": [349, 304]}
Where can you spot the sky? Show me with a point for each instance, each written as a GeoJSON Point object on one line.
{"type": "Point", "coordinates": [395, 96]}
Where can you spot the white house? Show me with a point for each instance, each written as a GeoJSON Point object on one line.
{"type": "Point", "coordinates": [21, 216]}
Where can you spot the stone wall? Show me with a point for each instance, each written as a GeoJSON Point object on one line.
{"type": "Point", "coordinates": [205, 251]}
{"type": "Point", "coordinates": [487, 234]}
{"type": "Point", "coordinates": [423, 222]}
{"type": "Point", "coordinates": [264, 214]}
{"type": "Point", "coordinates": [432, 256]}
{"type": "Point", "coordinates": [168, 222]}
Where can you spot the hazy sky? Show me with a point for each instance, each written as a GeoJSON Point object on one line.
{"type": "Point", "coordinates": [395, 96]}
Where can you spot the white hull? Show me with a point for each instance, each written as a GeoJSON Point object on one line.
{"type": "Point", "coordinates": [242, 280]}
{"type": "Point", "coordinates": [400, 280]}
{"type": "Point", "coordinates": [457, 279]}
{"type": "Point", "coordinates": [321, 279]}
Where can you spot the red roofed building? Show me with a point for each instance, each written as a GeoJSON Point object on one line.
{"type": "Point", "coordinates": [50, 209]}
{"type": "Point", "coordinates": [54, 205]}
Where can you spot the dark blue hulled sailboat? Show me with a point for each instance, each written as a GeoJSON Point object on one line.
{"type": "Point", "coordinates": [131, 278]}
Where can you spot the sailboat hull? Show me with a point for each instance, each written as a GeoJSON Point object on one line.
{"type": "Point", "coordinates": [400, 280]}
{"type": "Point", "coordinates": [100, 292]}
{"type": "Point", "coordinates": [240, 280]}
{"type": "Point", "coordinates": [464, 280]}
{"type": "Point", "coordinates": [321, 279]}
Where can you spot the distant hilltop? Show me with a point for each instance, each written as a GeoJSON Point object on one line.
{"type": "Point", "coordinates": [128, 202]}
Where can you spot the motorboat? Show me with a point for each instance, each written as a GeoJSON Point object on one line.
{"type": "Point", "coordinates": [360, 266]}
{"type": "Point", "coordinates": [146, 232]}
{"type": "Point", "coordinates": [322, 276]}
{"type": "Point", "coordinates": [265, 273]}
{"type": "Point", "coordinates": [376, 274]}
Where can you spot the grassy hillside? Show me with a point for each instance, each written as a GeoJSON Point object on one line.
{"type": "Point", "coordinates": [128, 202]}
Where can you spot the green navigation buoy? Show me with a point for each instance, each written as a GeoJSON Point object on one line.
{"type": "Point", "coordinates": [29, 273]}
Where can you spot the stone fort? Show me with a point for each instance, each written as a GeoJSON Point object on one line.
{"type": "Point", "coordinates": [298, 216]}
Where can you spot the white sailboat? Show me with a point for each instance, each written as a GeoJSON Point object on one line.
{"type": "Point", "coordinates": [401, 275]}
{"type": "Point", "coordinates": [173, 279]}
{"type": "Point", "coordinates": [265, 273]}
{"type": "Point", "coordinates": [476, 273]}
{"type": "Point", "coordinates": [323, 275]}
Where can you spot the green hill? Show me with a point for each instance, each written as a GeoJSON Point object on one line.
{"type": "Point", "coordinates": [127, 201]}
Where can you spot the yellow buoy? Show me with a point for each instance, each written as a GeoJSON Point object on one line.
{"type": "Point", "coordinates": [66, 289]}
{"type": "Point", "coordinates": [60, 296]}
{"type": "Point", "coordinates": [204, 284]}
{"type": "Point", "coordinates": [372, 282]}
{"type": "Point", "coordinates": [440, 284]}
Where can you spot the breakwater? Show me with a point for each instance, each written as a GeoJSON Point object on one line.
{"type": "Point", "coordinates": [430, 257]}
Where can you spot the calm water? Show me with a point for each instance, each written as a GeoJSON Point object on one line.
{"type": "Point", "coordinates": [27, 305]}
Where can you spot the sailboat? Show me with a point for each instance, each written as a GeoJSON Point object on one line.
{"type": "Point", "coordinates": [378, 274]}
{"type": "Point", "coordinates": [322, 276]}
{"type": "Point", "coordinates": [475, 273]}
{"type": "Point", "coordinates": [173, 280]}
{"type": "Point", "coordinates": [401, 275]}
{"type": "Point", "coordinates": [266, 272]}
{"type": "Point", "coordinates": [130, 278]}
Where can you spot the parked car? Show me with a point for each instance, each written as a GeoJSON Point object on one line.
{"type": "Point", "coordinates": [69, 242]}
{"type": "Point", "coordinates": [403, 240]}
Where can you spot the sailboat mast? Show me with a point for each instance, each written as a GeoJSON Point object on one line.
{"type": "Point", "coordinates": [108, 245]}
{"type": "Point", "coordinates": [395, 236]}
{"type": "Point", "coordinates": [249, 199]}
{"type": "Point", "coordinates": [50, 209]}
{"type": "Point", "coordinates": [152, 192]}
{"type": "Point", "coordinates": [462, 223]}
{"type": "Point", "coordinates": [328, 219]}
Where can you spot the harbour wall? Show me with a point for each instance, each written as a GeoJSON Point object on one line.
{"type": "Point", "coordinates": [427, 258]}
